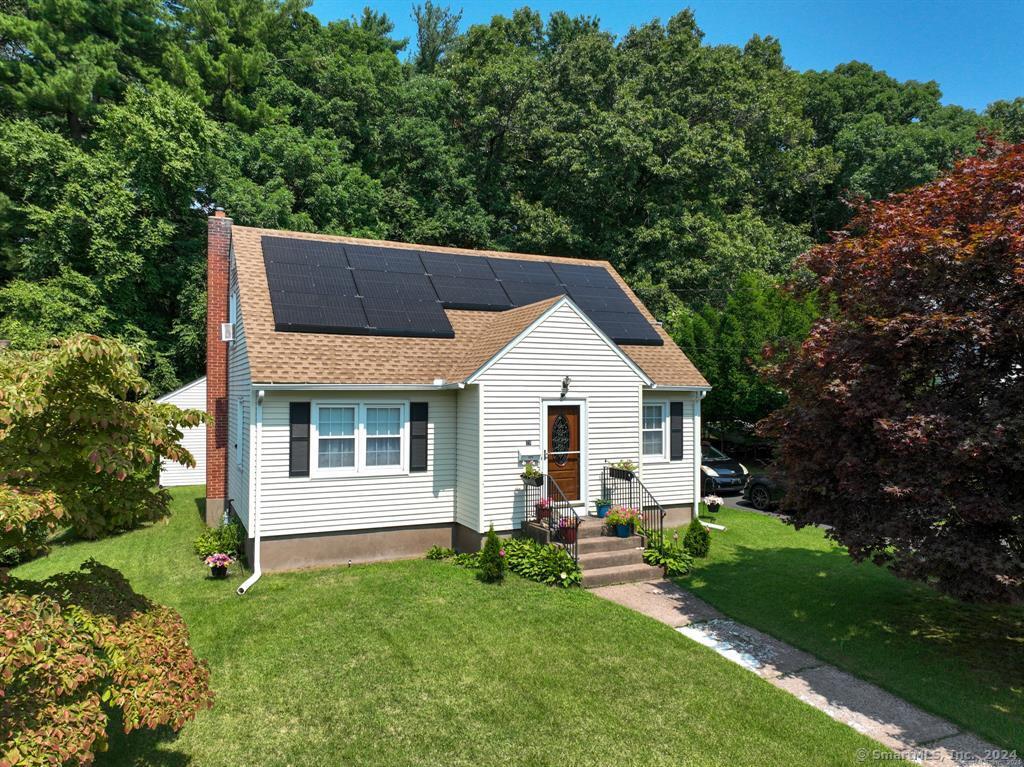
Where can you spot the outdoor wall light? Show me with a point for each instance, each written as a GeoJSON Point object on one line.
{"type": "Point", "coordinates": [565, 386]}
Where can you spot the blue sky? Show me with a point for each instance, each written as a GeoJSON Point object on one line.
{"type": "Point", "coordinates": [974, 50]}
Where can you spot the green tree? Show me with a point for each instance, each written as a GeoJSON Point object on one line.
{"type": "Point", "coordinates": [436, 30]}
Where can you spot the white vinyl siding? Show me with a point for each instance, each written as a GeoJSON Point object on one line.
{"type": "Point", "coordinates": [191, 396]}
{"type": "Point", "coordinates": [671, 482]}
{"type": "Point", "coordinates": [292, 505]}
{"type": "Point", "coordinates": [467, 511]}
{"type": "Point", "coordinates": [517, 384]}
{"type": "Point", "coordinates": [239, 412]}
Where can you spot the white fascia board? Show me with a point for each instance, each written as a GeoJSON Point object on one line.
{"type": "Point", "coordinates": [356, 387]}
{"type": "Point", "coordinates": [179, 390]}
{"type": "Point", "coordinates": [656, 387]}
{"type": "Point", "coordinates": [563, 301]}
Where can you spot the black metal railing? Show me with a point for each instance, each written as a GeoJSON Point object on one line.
{"type": "Point", "coordinates": [624, 488]}
{"type": "Point", "coordinates": [546, 505]}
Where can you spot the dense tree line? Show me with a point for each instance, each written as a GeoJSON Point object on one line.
{"type": "Point", "coordinates": [689, 166]}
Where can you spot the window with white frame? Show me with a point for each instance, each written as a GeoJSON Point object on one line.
{"type": "Point", "coordinates": [654, 430]}
{"type": "Point", "coordinates": [336, 437]}
{"type": "Point", "coordinates": [384, 436]}
{"type": "Point", "coordinates": [358, 438]}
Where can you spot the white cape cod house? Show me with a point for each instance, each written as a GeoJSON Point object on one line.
{"type": "Point", "coordinates": [372, 399]}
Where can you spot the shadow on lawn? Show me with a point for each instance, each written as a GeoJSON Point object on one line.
{"type": "Point", "coordinates": [140, 748]}
{"type": "Point", "coordinates": [879, 627]}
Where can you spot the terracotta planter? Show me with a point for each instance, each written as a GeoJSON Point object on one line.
{"type": "Point", "coordinates": [543, 512]}
{"type": "Point", "coordinates": [567, 534]}
{"type": "Point", "coordinates": [220, 571]}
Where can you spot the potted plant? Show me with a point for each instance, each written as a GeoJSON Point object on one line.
{"type": "Point", "coordinates": [624, 469]}
{"type": "Point", "coordinates": [713, 502]}
{"type": "Point", "coordinates": [603, 504]}
{"type": "Point", "coordinates": [567, 528]}
{"type": "Point", "coordinates": [531, 475]}
{"type": "Point", "coordinates": [543, 509]}
{"type": "Point", "coordinates": [623, 519]}
{"type": "Point", "coordinates": [218, 564]}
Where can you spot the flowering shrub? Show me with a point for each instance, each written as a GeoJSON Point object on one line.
{"type": "Point", "coordinates": [623, 515]}
{"type": "Point", "coordinates": [219, 560]}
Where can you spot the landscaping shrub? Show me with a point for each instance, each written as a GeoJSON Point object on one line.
{"type": "Point", "coordinates": [225, 539]}
{"type": "Point", "coordinates": [697, 540]}
{"type": "Point", "coordinates": [543, 563]}
{"type": "Point", "coordinates": [437, 552]}
{"type": "Point", "coordinates": [492, 559]}
{"type": "Point", "coordinates": [672, 557]}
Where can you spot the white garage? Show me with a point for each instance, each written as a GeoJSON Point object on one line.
{"type": "Point", "coordinates": [193, 397]}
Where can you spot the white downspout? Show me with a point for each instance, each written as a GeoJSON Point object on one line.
{"type": "Point", "coordinates": [698, 480]}
{"type": "Point", "coordinates": [254, 506]}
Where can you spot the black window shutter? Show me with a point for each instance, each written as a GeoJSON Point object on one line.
{"type": "Point", "coordinates": [417, 436]}
{"type": "Point", "coordinates": [298, 438]}
{"type": "Point", "coordinates": [676, 432]}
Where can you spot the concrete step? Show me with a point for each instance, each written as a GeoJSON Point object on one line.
{"type": "Point", "coordinates": [608, 543]}
{"type": "Point", "coordinates": [592, 527]}
{"type": "Point", "coordinates": [597, 559]}
{"type": "Point", "coordinates": [605, 576]}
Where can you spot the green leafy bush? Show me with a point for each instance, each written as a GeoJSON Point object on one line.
{"type": "Point", "coordinates": [438, 552]}
{"type": "Point", "coordinates": [469, 559]}
{"type": "Point", "coordinates": [697, 540]}
{"type": "Point", "coordinates": [225, 539]}
{"type": "Point", "coordinates": [671, 557]}
{"type": "Point", "coordinates": [543, 563]}
{"type": "Point", "coordinates": [492, 559]}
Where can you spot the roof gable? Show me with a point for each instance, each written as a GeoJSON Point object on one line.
{"type": "Point", "coordinates": [547, 314]}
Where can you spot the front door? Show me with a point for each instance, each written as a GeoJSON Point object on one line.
{"type": "Point", "coordinates": [564, 450]}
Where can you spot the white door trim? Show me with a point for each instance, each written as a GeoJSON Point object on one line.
{"type": "Point", "coordinates": [581, 505]}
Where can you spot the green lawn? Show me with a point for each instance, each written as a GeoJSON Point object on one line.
{"type": "Point", "coordinates": [963, 662]}
{"type": "Point", "coordinates": [417, 663]}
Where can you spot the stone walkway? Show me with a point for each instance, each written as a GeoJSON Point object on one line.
{"type": "Point", "coordinates": [905, 729]}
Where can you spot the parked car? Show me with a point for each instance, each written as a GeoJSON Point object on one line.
{"type": "Point", "coordinates": [764, 491]}
{"type": "Point", "coordinates": [720, 472]}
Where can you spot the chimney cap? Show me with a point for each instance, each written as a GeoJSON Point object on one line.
{"type": "Point", "coordinates": [218, 212]}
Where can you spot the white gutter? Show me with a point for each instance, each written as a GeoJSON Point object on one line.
{"type": "Point", "coordinates": [254, 505]}
{"type": "Point", "coordinates": [680, 388]}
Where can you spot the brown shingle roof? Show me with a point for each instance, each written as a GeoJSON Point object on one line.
{"type": "Point", "coordinates": [327, 358]}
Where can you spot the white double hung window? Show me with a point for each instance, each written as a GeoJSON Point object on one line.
{"type": "Point", "coordinates": [653, 432]}
{"type": "Point", "coordinates": [359, 438]}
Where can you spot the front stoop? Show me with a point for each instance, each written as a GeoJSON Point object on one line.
{"type": "Point", "coordinates": [606, 559]}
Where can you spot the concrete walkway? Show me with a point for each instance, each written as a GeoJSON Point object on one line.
{"type": "Point", "coordinates": [907, 730]}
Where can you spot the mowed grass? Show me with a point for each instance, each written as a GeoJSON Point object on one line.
{"type": "Point", "coordinates": [418, 663]}
{"type": "Point", "coordinates": [962, 662]}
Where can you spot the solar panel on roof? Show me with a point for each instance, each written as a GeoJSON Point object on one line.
{"type": "Point", "coordinates": [581, 275]}
{"type": "Point", "coordinates": [456, 265]}
{"type": "Point", "coordinates": [458, 292]}
{"type": "Point", "coordinates": [397, 286]}
{"type": "Point", "coordinates": [384, 259]}
{"type": "Point", "coordinates": [329, 287]}
{"type": "Point", "coordinates": [416, 319]}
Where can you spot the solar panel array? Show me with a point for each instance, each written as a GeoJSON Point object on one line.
{"type": "Point", "coordinates": [331, 287]}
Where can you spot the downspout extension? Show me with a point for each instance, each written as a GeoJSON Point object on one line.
{"type": "Point", "coordinates": [257, 571]}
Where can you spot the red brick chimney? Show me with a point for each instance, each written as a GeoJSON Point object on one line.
{"type": "Point", "coordinates": [218, 239]}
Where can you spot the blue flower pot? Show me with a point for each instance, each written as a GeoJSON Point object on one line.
{"type": "Point", "coordinates": [602, 510]}
{"type": "Point", "coordinates": [623, 531]}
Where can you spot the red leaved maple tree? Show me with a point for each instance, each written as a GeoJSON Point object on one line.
{"type": "Point", "coordinates": [904, 428]}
